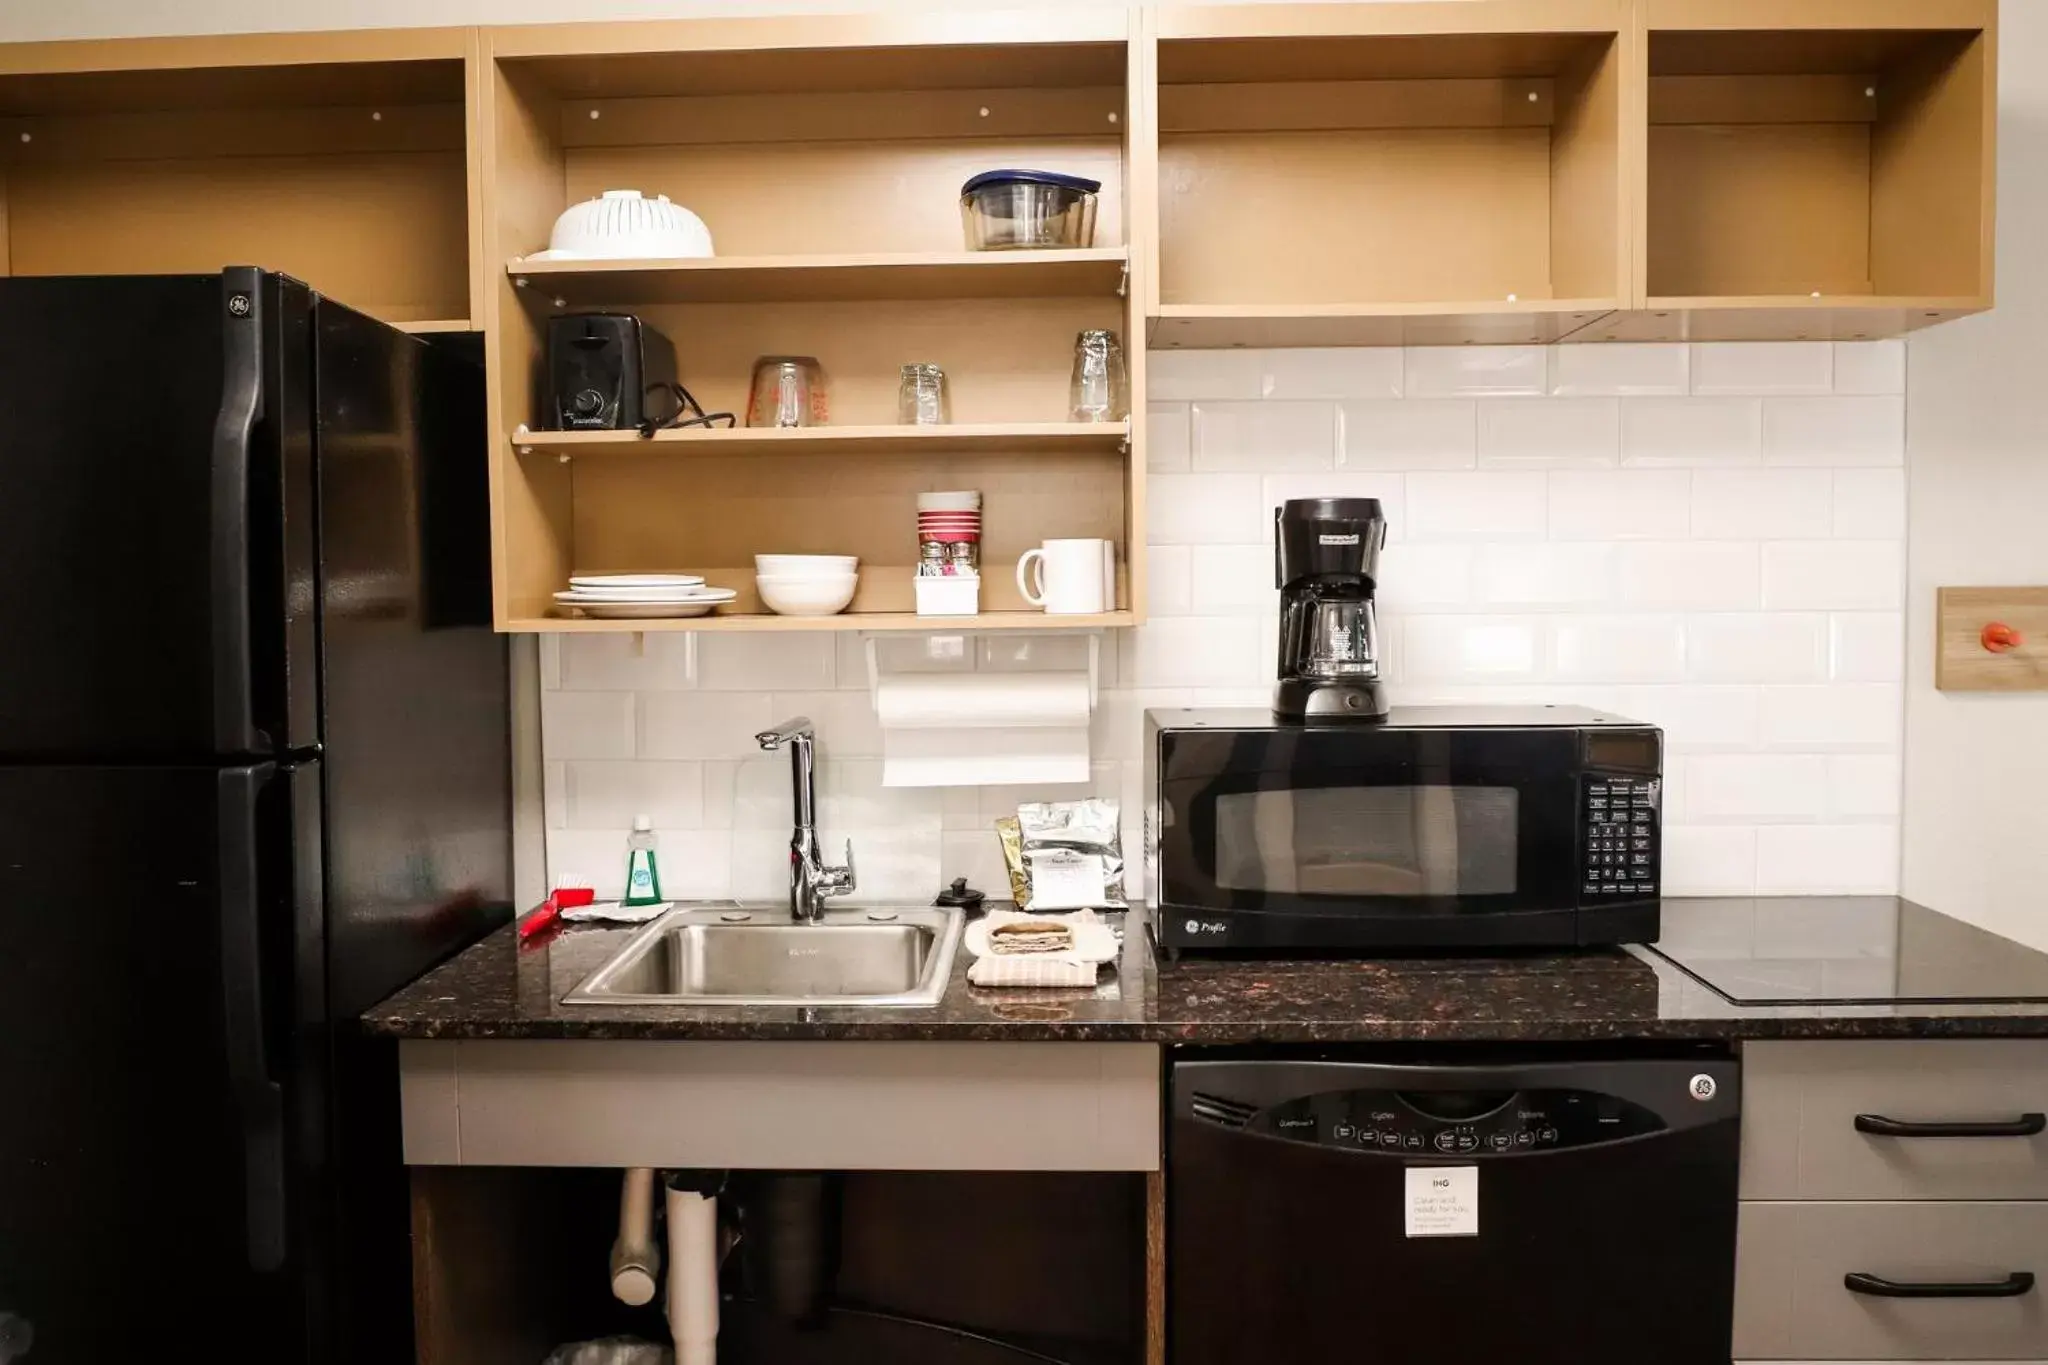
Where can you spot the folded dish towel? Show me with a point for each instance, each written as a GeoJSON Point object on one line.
{"type": "Point", "coordinates": [1048, 950]}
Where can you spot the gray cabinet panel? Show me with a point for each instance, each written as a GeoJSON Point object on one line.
{"type": "Point", "coordinates": [1800, 1102]}
{"type": "Point", "coordinates": [1791, 1304]}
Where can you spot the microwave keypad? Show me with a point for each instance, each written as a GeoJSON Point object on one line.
{"type": "Point", "coordinates": [1621, 837]}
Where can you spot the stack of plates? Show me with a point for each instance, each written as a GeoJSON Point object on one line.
{"type": "Point", "coordinates": [642, 596]}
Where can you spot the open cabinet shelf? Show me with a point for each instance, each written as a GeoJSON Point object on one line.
{"type": "Point", "coordinates": [342, 159]}
{"type": "Point", "coordinates": [1426, 173]}
{"type": "Point", "coordinates": [989, 437]}
{"type": "Point", "coordinates": [826, 158]}
{"type": "Point", "coordinates": [1094, 273]}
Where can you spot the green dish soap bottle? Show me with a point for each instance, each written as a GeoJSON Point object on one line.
{"type": "Point", "coordinates": [643, 878]}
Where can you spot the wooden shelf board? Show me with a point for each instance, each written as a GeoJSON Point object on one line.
{"type": "Point", "coordinates": [994, 437]}
{"type": "Point", "coordinates": [1092, 272]}
{"type": "Point", "coordinates": [430, 326]}
{"type": "Point", "coordinates": [1793, 317]}
{"type": "Point", "coordinates": [1492, 322]}
{"type": "Point", "coordinates": [873, 621]}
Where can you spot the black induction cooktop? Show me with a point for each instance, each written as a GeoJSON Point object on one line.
{"type": "Point", "coordinates": [1845, 950]}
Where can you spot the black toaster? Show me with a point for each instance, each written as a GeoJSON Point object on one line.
{"type": "Point", "coordinates": [600, 367]}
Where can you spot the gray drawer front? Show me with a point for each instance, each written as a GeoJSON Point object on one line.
{"type": "Point", "coordinates": [1800, 1102]}
{"type": "Point", "coordinates": [1790, 1303]}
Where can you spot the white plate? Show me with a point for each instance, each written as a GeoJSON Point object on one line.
{"type": "Point", "coordinates": [646, 611]}
{"type": "Point", "coordinates": [636, 594]}
{"type": "Point", "coordinates": [637, 580]}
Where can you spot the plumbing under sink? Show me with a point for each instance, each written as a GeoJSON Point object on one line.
{"type": "Point", "coordinates": [755, 955]}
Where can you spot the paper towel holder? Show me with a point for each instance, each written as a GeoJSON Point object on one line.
{"type": "Point", "coordinates": [1094, 660]}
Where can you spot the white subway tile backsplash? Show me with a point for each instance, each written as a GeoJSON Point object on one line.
{"type": "Point", "coordinates": [1709, 860]}
{"type": "Point", "coordinates": [1687, 432]}
{"type": "Point", "coordinates": [1867, 646]}
{"type": "Point", "coordinates": [1690, 575]}
{"type": "Point", "coordinates": [1870, 367]}
{"type": "Point", "coordinates": [1619, 369]}
{"type": "Point", "coordinates": [1169, 579]}
{"type": "Point", "coordinates": [1228, 579]}
{"type": "Point", "coordinates": [1841, 575]}
{"type": "Point", "coordinates": [1841, 859]}
{"type": "Point", "coordinates": [1414, 433]}
{"type": "Point", "coordinates": [706, 724]}
{"type": "Point", "coordinates": [1473, 371]}
{"type": "Point", "coordinates": [1768, 368]}
{"type": "Point", "coordinates": [738, 663]}
{"type": "Point", "coordinates": [1332, 372]}
{"type": "Point", "coordinates": [587, 724]}
{"type": "Point", "coordinates": [1504, 505]}
{"type": "Point", "coordinates": [1197, 651]}
{"type": "Point", "coordinates": [1864, 786]}
{"type": "Point", "coordinates": [658, 661]}
{"type": "Point", "coordinates": [1258, 437]}
{"type": "Point", "coordinates": [609, 795]}
{"type": "Point", "coordinates": [1543, 575]}
{"type": "Point", "coordinates": [1706, 538]}
{"type": "Point", "coordinates": [1628, 504]}
{"type": "Point", "coordinates": [1835, 716]}
{"type": "Point", "coordinates": [1550, 433]}
{"type": "Point", "coordinates": [1835, 431]}
{"type": "Point", "coordinates": [1870, 504]}
{"type": "Point", "coordinates": [1618, 649]}
{"type": "Point", "coordinates": [1756, 647]}
{"type": "Point", "coordinates": [1756, 786]}
{"type": "Point", "coordinates": [1206, 509]}
{"type": "Point", "coordinates": [1698, 719]}
{"type": "Point", "coordinates": [1762, 504]}
{"type": "Point", "coordinates": [1472, 648]}
{"type": "Point", "coordinates": [1182, 376]}
{"type": "Point", "coordinates": [1169, 438]}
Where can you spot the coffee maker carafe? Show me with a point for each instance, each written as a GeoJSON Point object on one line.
{"type": "Point", "coordinates": [1327, 554]}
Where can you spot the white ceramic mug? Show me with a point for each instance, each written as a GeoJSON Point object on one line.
{"type": "Point", "coordinates": [1069, 577]}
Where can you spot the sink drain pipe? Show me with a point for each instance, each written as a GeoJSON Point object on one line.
{"type": "Point", "coordinates": [636, 1257]}
{"type": "Point", "coordinates": [692, 1201]}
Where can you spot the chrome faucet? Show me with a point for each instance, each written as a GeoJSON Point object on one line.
{"type": "Point", "coordinates": [811, 882]}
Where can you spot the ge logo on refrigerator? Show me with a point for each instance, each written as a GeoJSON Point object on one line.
{"type": "Point", "coordinates": [1703, 1088]}
{"type": "Point", "coordinates": [239, 305]}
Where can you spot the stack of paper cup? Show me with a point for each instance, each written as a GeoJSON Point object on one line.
{"type": "Point", "coordinates": [949, 535]}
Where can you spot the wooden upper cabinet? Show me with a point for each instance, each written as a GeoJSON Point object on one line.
{"type": "Point", "coordinates": [341, 158]}
{"type": "Point", "coordinates": [1815, 168]}
{"type": "Point", "coordinates": [1387, 173]}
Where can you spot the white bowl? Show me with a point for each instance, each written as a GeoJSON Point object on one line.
{"type": "Point", "coordinates": [627, 225]}
{"type": "Point", "coordinates": [805, 566]}
{"type": "Point", "coordinates": [807, 596]}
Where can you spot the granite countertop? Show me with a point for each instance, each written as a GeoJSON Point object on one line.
{"type": "Point", "coordinates": [500, 988]}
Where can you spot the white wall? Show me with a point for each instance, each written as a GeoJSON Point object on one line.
{"type": "Point", "coordinates": [1710, 538]}
{"type": "Point", "coordinates": [1977, 766]}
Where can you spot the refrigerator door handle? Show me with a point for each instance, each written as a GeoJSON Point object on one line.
{"type": "Point", "coordinates": [241, 405]}
{"type": "Point", "coordinates": [259, 1100]}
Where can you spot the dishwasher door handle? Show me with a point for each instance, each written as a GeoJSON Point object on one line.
{"type": "Point", "coordinates": [2026, 1125]}
{"type": "Point", "coordinates": [2011, 1287]}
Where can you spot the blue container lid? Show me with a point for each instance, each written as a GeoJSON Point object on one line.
{"type": "Point", "coordinates": [1053, 178]}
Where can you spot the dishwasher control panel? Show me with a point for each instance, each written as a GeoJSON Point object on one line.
{"type": "Point", "coordinates": [1458, 1123]}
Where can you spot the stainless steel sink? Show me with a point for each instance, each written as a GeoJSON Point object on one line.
{"type": "Point", "coordinates": [751, 955]}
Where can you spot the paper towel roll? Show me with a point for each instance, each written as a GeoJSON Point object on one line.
{"type": "Point", "coordinates": [983, 701]}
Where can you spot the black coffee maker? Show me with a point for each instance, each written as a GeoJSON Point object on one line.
{"type": "Point", "coordinates": [1327, 552]}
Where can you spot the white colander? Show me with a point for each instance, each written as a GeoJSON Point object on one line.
{"type": "Point", "coordinates": [627, 225]}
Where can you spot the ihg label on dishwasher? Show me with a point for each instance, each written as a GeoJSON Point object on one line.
{"type": "Point", "coordinates": [1443, 1201]}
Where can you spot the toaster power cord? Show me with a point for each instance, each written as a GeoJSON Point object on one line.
{"type": "Point", "coordinates": [688, 413]}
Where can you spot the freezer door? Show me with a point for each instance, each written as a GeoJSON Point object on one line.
{"type": "Point", "coordinates": [159, 992]}
{"type": "Point", "coordinates": [155, 517]}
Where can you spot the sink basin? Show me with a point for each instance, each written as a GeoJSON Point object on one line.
{"type": "Point", "coordinates": [756, 955]}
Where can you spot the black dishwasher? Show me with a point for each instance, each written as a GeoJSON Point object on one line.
{"type": "Point", "coordinates": [1525, 1210]}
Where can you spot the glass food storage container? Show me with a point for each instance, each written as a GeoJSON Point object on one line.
{"type": "Point", "coordinates": [1028, 210]}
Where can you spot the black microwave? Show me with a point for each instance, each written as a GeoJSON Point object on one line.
{"type": "Point", "coordinates": [1444, 828]}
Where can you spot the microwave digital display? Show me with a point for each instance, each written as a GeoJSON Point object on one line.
{"type": "Point", "coordinates": [1370, 841]}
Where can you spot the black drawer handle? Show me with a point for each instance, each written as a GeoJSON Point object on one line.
{"type": "Point", "coordinates": [2026, 1125]}
{"type": "Point", "coordinates": [2011, 1287]}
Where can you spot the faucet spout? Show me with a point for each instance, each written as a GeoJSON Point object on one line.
{"type": "Point", "coordinates": [811, 880]}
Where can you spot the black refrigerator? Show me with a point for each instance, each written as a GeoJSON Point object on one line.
{"type": "Point", "coordinates": [255, 766]}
